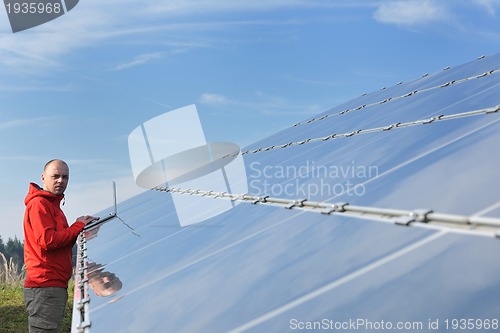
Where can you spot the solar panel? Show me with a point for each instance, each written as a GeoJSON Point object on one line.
{"type": "Point", "coordinates": [379, 214]}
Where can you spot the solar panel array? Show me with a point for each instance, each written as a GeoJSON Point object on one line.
{"type": "Point", "coordinates": [379, 214]}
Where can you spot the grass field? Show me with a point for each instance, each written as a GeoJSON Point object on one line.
{"type": "Point", "coordinates": [13, 316]}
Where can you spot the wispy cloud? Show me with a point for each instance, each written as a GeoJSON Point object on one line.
{"type": "Point", "coordinates": [139, 60]}
{"type": "Point", "coordinates": [202, 6]}
{"type": "Point", "coordinates": [488, 5]}
{"type": "Point", "coordinates": [410, 12]}
{"type": "Point", "coordinates": [36, 86]}
{"type": "Point", "coordinates": [16, 123]}
{"type": "Point", "coordinates": [93, 22]}
{"type": "Point", "coordinates": [262, 103]}
{"type": "Point", "coordinates": [42, 48]}
{"type": "Point", "coordinates": [315, 82]}
{"type": "Point", "coordinates": [18, 158]}
{"type": "Point", "coordinates": [213, 99]}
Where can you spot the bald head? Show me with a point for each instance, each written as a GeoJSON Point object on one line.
{"type": "Point", "coordinates": [55, 176]}
{"type": "Point", "coordinates": [56, 161]}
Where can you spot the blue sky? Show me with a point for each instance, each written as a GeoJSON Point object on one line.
{"type": "Point", "coordinates": [74, 88]}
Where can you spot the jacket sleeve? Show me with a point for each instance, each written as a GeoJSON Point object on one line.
{"type": "Point", "coordinates": [44, 227]}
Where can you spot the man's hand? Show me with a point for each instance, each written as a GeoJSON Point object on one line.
{"type": "Point", "coordinates": [87, 219]}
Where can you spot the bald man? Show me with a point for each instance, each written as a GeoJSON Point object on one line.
{"type": "Point", "coordinates": [48, 243]}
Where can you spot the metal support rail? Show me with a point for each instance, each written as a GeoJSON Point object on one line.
{"type": "Point", "coordinates": [82, 285]}
{"type": "Point", "coordinates": [388, 127]}
{"type": "Point", "coordinates": [475, 224]}
{"type": "Point", "coordinates": [411, 93]}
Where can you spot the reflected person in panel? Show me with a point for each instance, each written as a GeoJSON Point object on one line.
{"type": "Point", "coordinates": [102, 282]}
{"type": "Point", "coordinates": [48, 243]}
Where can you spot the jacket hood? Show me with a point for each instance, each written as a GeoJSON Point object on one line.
{"type": "Point", "coordinates": [36, 191]}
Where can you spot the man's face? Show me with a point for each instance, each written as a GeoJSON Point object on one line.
{"type": "Point", "coordinates": [55, 178]}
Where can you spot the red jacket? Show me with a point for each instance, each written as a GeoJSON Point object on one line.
{"type": "Point", "coordinates": [48, 240]}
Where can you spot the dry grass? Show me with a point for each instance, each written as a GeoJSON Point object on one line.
{"type": "Point", "coordinates": [13, 316]}
{"type": "Point", "coordinates": [10, 272]}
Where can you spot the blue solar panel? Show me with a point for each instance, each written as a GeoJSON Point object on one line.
{"type": "Point", "coordinates": [429, 146]}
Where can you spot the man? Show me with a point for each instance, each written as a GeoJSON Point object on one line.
{"type": "Point", "coordinates": [48, 243]}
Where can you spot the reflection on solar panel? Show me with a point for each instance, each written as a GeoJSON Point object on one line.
{"type": "Point", "coordinates": [380, 214]}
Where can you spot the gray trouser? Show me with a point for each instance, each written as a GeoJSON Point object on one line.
{"type": "Point", "coordinates": [45, 308]}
